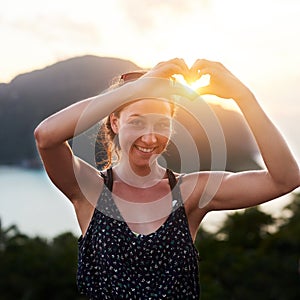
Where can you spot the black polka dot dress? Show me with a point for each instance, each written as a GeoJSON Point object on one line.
{"type": "Point", "coordinates": [115, 263]}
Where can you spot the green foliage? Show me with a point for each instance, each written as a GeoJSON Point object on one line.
{"type": "Point", "coordinates": [34, 268]}
{"type": "Point", "coordinates": [244, 260]}
{"type": "Point", "coordinates": [253, 256]}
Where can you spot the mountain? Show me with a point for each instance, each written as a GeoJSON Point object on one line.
{"type": "Point", "coordinates": [31, 97]}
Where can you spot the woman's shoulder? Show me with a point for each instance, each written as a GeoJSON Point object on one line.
{"type": "Point", "coordinates": [192, 177]}
{"type": "Point", "coordinates": [193, 185]}
{"type": "Point", "coordinates": [191, 180]}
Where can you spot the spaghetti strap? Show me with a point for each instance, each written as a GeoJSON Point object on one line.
{"type": "Point", "coordinates": [108, 178]}
{"type": "Point", "coordinates": [172, 179]}
{"type": "Point", "coordinates": [174, 185]}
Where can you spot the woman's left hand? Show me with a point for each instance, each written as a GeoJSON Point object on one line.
{"type": "Point", "coordinates": [222, 82]}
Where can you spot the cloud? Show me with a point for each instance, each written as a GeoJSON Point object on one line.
{"type": "Point", "coordinates": [146, 15]}
{"type": "Point", "coordinates": [57, 28]}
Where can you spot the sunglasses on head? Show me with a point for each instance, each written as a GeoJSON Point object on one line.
{"type": "Point", "coordinates": [131, 76]}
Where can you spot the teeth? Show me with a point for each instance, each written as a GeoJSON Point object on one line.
{"type": "Point", "coordinates": [146, 150]}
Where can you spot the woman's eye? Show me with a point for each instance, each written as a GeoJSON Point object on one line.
{"type": "Point", "coordinates": [163, 125]}
{"type": "Point", "coordinates": [137, 123]}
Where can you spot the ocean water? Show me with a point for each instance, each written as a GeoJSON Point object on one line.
{"type": "Point", "coordinates": [29, 200]}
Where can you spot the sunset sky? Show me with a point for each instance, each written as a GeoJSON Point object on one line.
{"type": "Point", "coordinates": [257, 40]}
{"type": "Point", "coordinates": [246, 35]}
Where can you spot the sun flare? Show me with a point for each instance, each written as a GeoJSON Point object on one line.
{"type": "Point", "coordinates": [204, 81]}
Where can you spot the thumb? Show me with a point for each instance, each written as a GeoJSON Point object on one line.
{"type": "Point", "coordinates": [182, 90]}
{"type": "Point", "coordinates": [205, 90]}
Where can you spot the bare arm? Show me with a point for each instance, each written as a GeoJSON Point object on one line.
{"type": "Point", "coordinates": [244, 189]}
{"type": "Point", "coordinates": [65, 169]}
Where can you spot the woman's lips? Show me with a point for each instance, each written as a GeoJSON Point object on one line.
{"type": "Point", "coordinates": [145, 150]}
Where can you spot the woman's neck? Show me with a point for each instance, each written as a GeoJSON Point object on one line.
{"type": "Point", "coordinates": [143, 177]}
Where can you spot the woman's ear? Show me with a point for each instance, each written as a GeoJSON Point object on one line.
{"type": "Point", "coordinates": [114, 123]}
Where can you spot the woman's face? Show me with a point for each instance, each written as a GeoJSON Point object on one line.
{"type": "Point", "coordinates": [144, 128]}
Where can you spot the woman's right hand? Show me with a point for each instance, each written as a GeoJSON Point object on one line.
{"type": "Point", "coordinates": [160, 83]}
{"type": "Point", "coordinates": [167, 69]}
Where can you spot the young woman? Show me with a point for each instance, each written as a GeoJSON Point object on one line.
{"type": "Point", "coordinates": [138, 242]}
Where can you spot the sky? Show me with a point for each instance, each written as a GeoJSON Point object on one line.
{"type": "Point", "coordinates": [257, 40]}
{"type": "Point", "coordinates": [259, 34]}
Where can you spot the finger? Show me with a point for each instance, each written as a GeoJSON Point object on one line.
{"type": "Point", "coordinates": [180, 67]}
{"type": "Point", "coordinates": [176, 64]}
{"type": "Point", "coordinates": [203, 66]}
{"type": "Point", "coordinates": [205, 90]}
{"type": "Point", "coordinates": [202, 63]}
{"type": "Point", "coordinates": [166, 69]}
{"type": "Point", "coordinates": [197, 66]}
{"type": "Point", "coordinates": [206, 71]}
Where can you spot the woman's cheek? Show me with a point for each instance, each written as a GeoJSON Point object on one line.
{"type": "Point", "coordinates": [127, 137]}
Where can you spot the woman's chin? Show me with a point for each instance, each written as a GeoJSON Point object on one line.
{"type": "Point", "coordinates": [143, 160]}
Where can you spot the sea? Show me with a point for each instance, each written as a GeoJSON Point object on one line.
{"type": "Point", "coordinates": [29, 200]}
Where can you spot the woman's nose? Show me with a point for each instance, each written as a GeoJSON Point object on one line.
{"type": "Point", "coordinates": [149, 138]}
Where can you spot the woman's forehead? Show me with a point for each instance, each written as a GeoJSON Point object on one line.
{"type": "Point", "coordinates": [149, 106]}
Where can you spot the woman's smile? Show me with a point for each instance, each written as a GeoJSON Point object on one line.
{"type": "Point", "coordinates": [145, 150]}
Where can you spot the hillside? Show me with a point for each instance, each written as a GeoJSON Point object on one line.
{"type": "Point", "coordinates": [31, 97]}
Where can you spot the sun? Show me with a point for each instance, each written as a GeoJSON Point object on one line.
{"type": "Point", "coordinates": [204, 81]}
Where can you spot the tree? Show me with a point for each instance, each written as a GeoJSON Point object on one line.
{"type": "Point", "coordinates": [244, 260]}
{"type": "Point", "coordinates": [35, 268]}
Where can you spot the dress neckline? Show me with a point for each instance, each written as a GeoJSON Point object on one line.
{"type": "Point", "coordinates": [173, 183]}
